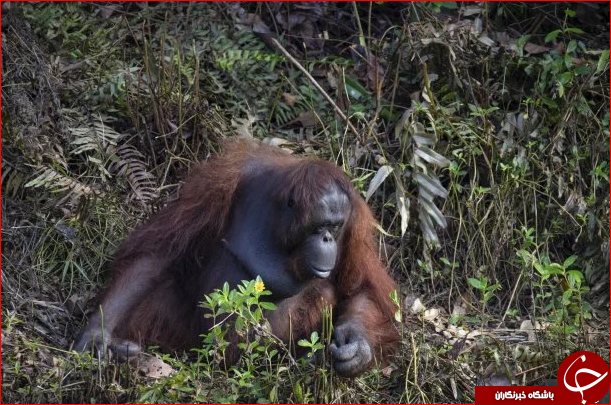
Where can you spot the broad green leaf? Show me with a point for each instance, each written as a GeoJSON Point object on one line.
{"type": "Point", "coordinates": [522, 41]}
{"type": "Point", "coordinates": [574, 30]}
{"type": "Point", "coordinates": [552, 35]}
{"type": "Point", "coordinates": [268, 305]}
{"type": "Point", "coordinates": [354, 88]}
{"type": "Point", "coordinates": [475, 282]}
{"type": "Point", "coordinates": [603, 61]}
{"type": "Point", "coordinates": [583, 70]}
{"type": "Point", "coordinates": [575, 278]}
{"type": "Point", "coordinates": [569, 261]}
{"type": "Point", "coordinates": [554, 269]}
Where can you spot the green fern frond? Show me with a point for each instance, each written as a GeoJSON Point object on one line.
{"type": "Point", "coordinates": [57, 182]}
{"type": "Point", "coordinates": [129, 163]}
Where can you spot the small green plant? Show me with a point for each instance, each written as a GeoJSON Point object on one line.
{"type": "Point", "coordinates": [559, 291]}
{"type": "Point", "coordinates": [396, 299]}
{"type": "Point", "coordinates": [314, 344]}
{"type": "Point", "coordinates": [487, 290]}
{"type": "Point", "coordinates": [260, 368]}
{"type": "Point", "coordinates": [241, 312]}
{"type": "Point", "coordinates": [244, 303]}
{"type": "Point", "coordinates": [559, 70]}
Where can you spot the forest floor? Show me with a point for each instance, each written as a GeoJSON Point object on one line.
{"type": "Point", "coordinates": [477, 131]}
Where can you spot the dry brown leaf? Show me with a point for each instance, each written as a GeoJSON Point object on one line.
{"type": "Point", "coordinates": [278, 142]}
{"type": "Point", "coordinates": [307, 119]}
{"type": "Point", "coordinates": [154, 368]}
{"type": "Point", "coordinates": [291, 21]}
{"type": "Point", "coordinates": [535, 49]}
{"type": "Point", "coordinates": [431, 314]}
{"type": "Point", "coordinates": [387, 371]}
{"type": "Point", "coordinates": [108, 11]}
{"type": "Point", "coordinates": [289, 99]}
{"type": "Point", "coordinates": [243, 126]}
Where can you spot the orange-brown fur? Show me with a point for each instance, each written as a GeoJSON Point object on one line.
{"type": "Point", "coordinates": [181, 234]}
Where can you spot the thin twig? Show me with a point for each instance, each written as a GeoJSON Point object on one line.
{"type": "Point", "coordinates": [318, 86]}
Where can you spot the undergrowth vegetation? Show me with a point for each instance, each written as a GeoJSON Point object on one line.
{"type": "Point", "coordinates": [477, 132]}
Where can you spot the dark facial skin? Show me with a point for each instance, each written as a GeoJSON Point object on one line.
{"type": "Point", "coordinates": [319, 251]}
{"type": "Point", "coordinates": [253, 240]}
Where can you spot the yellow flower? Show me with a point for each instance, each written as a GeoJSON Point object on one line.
{"type": "Point", "coordinates": [259, 286]}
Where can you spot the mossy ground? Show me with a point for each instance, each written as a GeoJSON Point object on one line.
{"type": "Point", "coordinates": [106, 105]}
